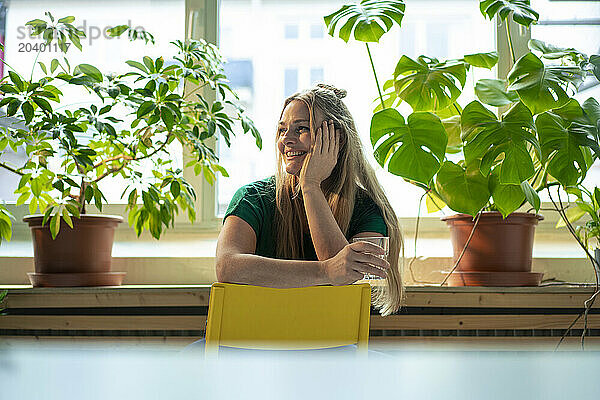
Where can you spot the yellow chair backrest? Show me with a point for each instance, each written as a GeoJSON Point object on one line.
{"type": "Point", "coordinates": [254, 317]}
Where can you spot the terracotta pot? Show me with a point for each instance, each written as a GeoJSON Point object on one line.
{"type": "Point", "coordinates": [499, 253]}
{"type": "Point", "coordinates": [79, 256]}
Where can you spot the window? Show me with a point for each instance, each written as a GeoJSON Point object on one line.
{"type": "Point", "coordinates": [435, 28]}
{"type": "Point", "coordinates": [163, 18]}
{"type": "Point", "coordinates": [316, 31]}
{"type": "Point", "coordinates": [316, 75]}
{"type": "Point", "coordinates": [572, 24]}
{"type": "Point", "coordinates": [291, 31]}
{"type": "Point", "coordinates": [290, 84]}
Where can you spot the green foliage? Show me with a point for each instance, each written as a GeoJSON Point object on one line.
{"type": "Point", "coordinates": [521, 10]}
{"type": "Point", "coordinates": [543, 87]}
{"type": "Point", "coordinates": [428, 84]}
{"type": "Point", "coordinates": [90, 143]}
{"type": "Point", "coordinates": [587, 203]}
{"type": "Point", "coordinates": [494, 92]}
{"type": "Point", "coordinates": [472, 158]}
{"type": "Point", "coordinates": [487, 139]}
{"type": "Point", "coordinates": [462, 189]}
{"type": "Point", "coordinates": [413, 150]}
{"type": "Point", "coordinates": [369, 19]}
{"type": "Point", "coordinates": [482, 60]}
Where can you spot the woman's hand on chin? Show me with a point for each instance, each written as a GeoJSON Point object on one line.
{"type": "Point", "coordinates": [322, 159]}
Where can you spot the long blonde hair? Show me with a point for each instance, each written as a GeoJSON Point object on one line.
{"type": "Point", "coordinates": [351, 172]}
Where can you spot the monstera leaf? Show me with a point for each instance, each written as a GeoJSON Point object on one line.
{"type": "Point", "coordinates": [507, 197]}
{"type": "Point", "coordinates": [565, 147]}
{"type": "Point", "coordinates": [494, 93]}
{"type": "Point", "coordinates": [487, 138]}
{"type": "Point", "coordinates": [427, 84]}
{"type": "Point", "coordinates": [591, 110]}
{"type": "Point", "coordinates": [482, 60]}
{"type": "Point", "coordinates": [464, 191]}
{"type": "Point", "coordinates": [595, 61]}
{"type": "Point", "coordinates": [552, 52]}
{"type": "Point", "coordinates": [412, 150]}
{"type": "Point", "coordinates": [369, 19]}
{"type": "Point", "coordinates": [542, 87]}
{"type": "Point", "coordinates": [522, 13]}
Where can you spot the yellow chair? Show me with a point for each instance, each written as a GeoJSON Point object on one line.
{"type": "Point", "coordinates": [316, 317]}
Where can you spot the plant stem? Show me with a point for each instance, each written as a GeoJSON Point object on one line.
{"type": "Point", "coordinates": [375, 75]}
{"type": "Point", "coordinates": [11, 169]}
{"type": "Point", "coordinates": [589, 302]}
{"type": "Point", "coordinates": [463, 250]}
{"type": "Point", "coordinates": [510, 45]}
{"type": "Point", "coordinates": [456, 108]}
{"type": "Point", "coordinates": [33, 67]}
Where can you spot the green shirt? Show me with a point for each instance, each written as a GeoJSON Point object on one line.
{"type": "Point", "coordinates": [255, 204]}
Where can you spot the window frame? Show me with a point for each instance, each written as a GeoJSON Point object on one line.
{"type": "Point", "coordinates": [202, 21]}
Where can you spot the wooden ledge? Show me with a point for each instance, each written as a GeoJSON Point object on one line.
{"type": "Point", "coordinates": [24, 296]}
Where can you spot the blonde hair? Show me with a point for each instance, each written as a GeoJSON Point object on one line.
{"type": "Point", "coordinates": [351, 172]}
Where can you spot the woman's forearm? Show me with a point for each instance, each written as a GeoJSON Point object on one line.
{"type": "Point", "coordinates": [326, 235]}
{"type": "Point", "coordinates": [256, 270]}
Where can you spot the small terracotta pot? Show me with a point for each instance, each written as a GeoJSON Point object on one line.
{"type": "Point", "coordinates": [499, 253]}
{"type": "Point", "coordinates": [79, 256]}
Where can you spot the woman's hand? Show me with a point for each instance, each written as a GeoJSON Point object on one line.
{"type": "Point", "coordinates": [353, 261]}
{"type": "Point", "coordinates": [322, 159]}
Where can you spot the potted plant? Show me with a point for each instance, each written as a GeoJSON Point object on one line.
{"type": "Point", "coordinates": [587, 233]}
{"type": "Point", "coordinates": [125, 131]}
{"type": "Point", "coordinates": [482, 165]}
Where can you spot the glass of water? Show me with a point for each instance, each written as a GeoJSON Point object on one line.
{"type": "Point", "coordinates": [381, 241]}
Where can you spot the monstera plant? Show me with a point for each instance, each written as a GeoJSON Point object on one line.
{"type": "Point", "coordinates": [542, 135]}
{"type": "Point", "coordinates": [523, 134]}
{"type": "Point", "coordinates": [125, 129]}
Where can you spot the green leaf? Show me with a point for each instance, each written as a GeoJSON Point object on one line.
{"type": "Point", "coordinates": [67, 217]}
{"type": "Point", "coordinates": [137, 65]}
{"type": "Point", "coordinates": [175, 189]}
{"type": "Point", "coordinates": [427, 84]}
{"type": "Point", "coordinates": [149, 64]}
{"type": "Point", "coordinates": [522, 13]}
{"type": "Point", "coordinates": [43, 104]}
{"type": "Point", "coordinates": [16, 80]}
{"type": "Point", "coordinates": [452, 127]}
{"type": "Point", "coordinates": [91, 71]}
{"type": "Point", "coordinates": [33, 204]}
{"type": "Point", "coordinates": [507, 198]}
{"type": "Point", "coordinates": [43, 67]}
{"type": "Point", "coordinates": [55, 224]}
{"type": "Point", "coordinates": [145, 108]}
{"type": "Point", "coordinates": [403, 149]}
{"type": "Point", "coordinates": [531, 195]}
{"type": "Point", "coordinates": [573, 214]}
{"type": "Point", "coordinates": [433, 202]}
{"type": "Point", "coordinates": [552, 52]}
{"type": "Point", "coordinates": [117, 30]}
{"type": "Point", "coordinates": [464, 191]}
{"type": "Point", "coordinates": [488, 138]}
{"type": "Point", "coordinates": [561, 146]}
{"type": "Point", "coordinates": [595, 61]}
{"type": "Point", "coordinates": [23, 198]}
{"type": "Point", "coordinates": [167, 116]}
{"type": "Point", "coordinates": [27, 109]}
{"type": "Point", "coordinates": [369, 19]}
{"type": "Point", "coordinates": [66, 20]}
{"type": "Point", "coordinates": [13, 107]}
{"type": "Point", "coordinates": [494, 93]}
{"type": "Point", "coordinates": [482, 60]}
{"type": "Point", "coordinates": [542, 87]}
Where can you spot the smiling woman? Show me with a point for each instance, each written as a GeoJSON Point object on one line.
{"type": "Point", "coordinates": [296, 228]}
